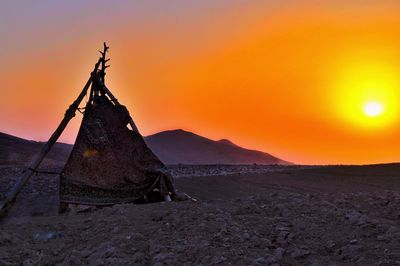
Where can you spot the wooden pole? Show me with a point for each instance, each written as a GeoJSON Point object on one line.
{"type": "Point", "coordinates": [115, 101]}
{"type": "Point", "coordinates": [69, 114]}
{"type": "Point", "coordinates": [104, 60]}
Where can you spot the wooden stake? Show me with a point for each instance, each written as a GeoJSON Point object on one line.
{"type": "Point", "coordinates": [69, 114]}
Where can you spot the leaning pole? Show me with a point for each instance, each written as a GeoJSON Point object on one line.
{"type": "Point", "coordinates": [7, 203]}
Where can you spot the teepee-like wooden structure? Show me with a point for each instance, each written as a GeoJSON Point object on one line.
{"type": "Point", "coordinates": [110, 163]}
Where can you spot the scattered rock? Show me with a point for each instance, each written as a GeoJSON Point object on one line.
{"type": "Point", "coordinates": [218, 259]}
{"type": "Point", "coordinates": [278, 253]}
{"type": "Point", "coordinates": [5, 238]}
{"type": "Point", "coordinates": [301, 230]}
{"type": "Point", "coordinates": [163, 257]}
{"type": "Point", "coordinates": [246, 236]}
{"type": "Point", "coordinates": [47, 236]}
{"type": "Point", "coordinates": [157, 218]}
{"type": "Point", "coordinates": [330, 244]}
{"type": "Point", "coordinates": [353, 216]}
{"type": "Point", "coordinates": [260, 261]}
{"type": "Point", "coordinates": [382, 238]}
{"type": "Point", "coordinates": [282, 237]}
{"type": "Point", "coordinates": [353, 241]}
{"type": "Point", "coordinates": [85, 208]}
{"type": "Point", "coordinates": [299, 253]}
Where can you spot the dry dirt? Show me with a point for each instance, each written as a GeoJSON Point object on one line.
{"type": "Point", "coordinates": [284, 216]}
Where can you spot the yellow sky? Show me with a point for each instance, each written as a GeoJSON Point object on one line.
{"type": "Point", "coordinates": [290, 79]}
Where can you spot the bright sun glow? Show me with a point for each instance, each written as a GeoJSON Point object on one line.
{"type": "Point", "coordinates": [373, 109]}
{"type": "Point", "coordinates": [367, 92]}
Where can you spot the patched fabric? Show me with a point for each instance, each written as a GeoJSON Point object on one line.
{"type": "Point", "coordinates": [110, 163]}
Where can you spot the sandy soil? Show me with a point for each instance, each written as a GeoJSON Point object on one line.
{"type": "Point", "coordinates": [294, 216]}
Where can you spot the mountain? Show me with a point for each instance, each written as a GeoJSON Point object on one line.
{"type": "Point", "coordinates": [182, 147]}
{"type": "Point", "coordinates": [18, 151]}
{"type": "Point", "coordinates": [172, 147]}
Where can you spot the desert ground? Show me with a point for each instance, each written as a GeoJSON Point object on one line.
{"type": "Point", "coordinates": [244, 215]}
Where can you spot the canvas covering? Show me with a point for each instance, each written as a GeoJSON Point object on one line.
{"type": "Point", "coordinates": [110, 163]}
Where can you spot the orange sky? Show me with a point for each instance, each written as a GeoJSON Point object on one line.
{"type": "Point", "coordinates": [282, 77]}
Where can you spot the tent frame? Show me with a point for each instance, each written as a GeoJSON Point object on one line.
{"type": "Point", "coordinates": [97, 76]}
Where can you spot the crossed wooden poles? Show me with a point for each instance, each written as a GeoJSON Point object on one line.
{"type": "Point", "coordinates": [96, 76]}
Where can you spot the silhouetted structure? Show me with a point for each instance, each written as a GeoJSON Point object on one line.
{"type": "Point", "coordinates": [110, 163]}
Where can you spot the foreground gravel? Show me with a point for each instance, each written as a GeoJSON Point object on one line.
{"type": "Point", "coordinates": [273, 229]}
{"type": "Point", "coordinates": [266, 216]}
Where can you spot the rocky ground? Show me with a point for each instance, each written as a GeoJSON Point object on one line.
{"type": "Point", "coordinates": [319, 216]}
{"type": "Point", "coordinates": [223, 169]}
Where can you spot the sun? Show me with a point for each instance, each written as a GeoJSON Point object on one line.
{"type": "Point", "coordinates": [365, 94]}
{"type": "Point", "coordinates": [373, 109]}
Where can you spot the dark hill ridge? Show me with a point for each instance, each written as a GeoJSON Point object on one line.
{"type": "Point", "coordinates": [227, 141]}
{"type": "Point", "coordinates": [18, 151]}
{"type": "Point", "coordinates": [172, 147]}
{"type": "Point", "coordinates": [182, 147]}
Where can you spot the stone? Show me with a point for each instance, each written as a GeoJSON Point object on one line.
{"type": "Point", "coordinates": [278, 253]}
{"type": "Point", "coordinates": [28, 262]}
{"type": "Point", "coordinates": [260, 261]}
{"type": "Point", "coordinates": [299, 253]}
{"type": "Point", "coordinates": [282, 228]}
{"type": "Point", "coordinates": [47, 236]}
{"type": "Point", "coordinates": [353, 216]}
{"type": "Point", "coordinates": [246, 236]}
{"type": "Point", "coordinates": [218, 260]}
{"type": "Point", "coordinates": [330, 244]}
{"type": "Point", "coordinates": [163, 257]}
{"type": "Point", "coordinates": [138, 257]}
{"type": "Point", "coordinates": [282, 237]}
{"type": "Point", "coordinates": [85, 208]}
{"type": "Point", "coordinates": [5, 239]}
{"type": "Point", "coordinates": [362, 220]}
{"type": "Point", "coordinates": [157, 218]}
{"type": "Point", "coordinates": [382, 238]}
{"type": "Point", "coordinates": [393, 232]}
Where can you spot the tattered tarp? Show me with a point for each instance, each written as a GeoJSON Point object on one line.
{"type": "Point", "coordinates": [110, 163]}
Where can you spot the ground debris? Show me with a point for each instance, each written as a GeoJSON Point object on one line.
{"type": "Point", "coordinates": [282, 226]}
